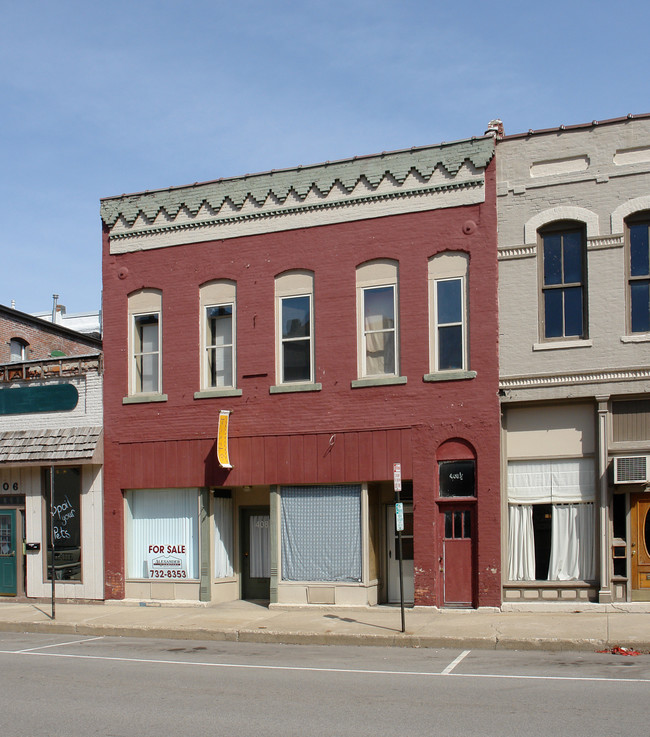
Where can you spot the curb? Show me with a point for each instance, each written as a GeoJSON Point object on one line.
{"type": "Point", "coordinates": [405, 640]}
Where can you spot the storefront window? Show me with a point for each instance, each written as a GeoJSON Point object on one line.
{"type": "Point", "coordinates": [321, 533]}
{"type": "Point", "coordinates": [162, 533]}
{"type": "Point", "coordinates": [66, 519]}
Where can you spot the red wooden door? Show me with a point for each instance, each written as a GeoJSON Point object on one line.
{"type": "Point", "coordinates": [458, 567]}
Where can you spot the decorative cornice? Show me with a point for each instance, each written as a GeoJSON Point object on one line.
{"type": "Point", "coordinates": [594, 243]}
{"type": "Point", "coordinates": [506, 254]}
{"type": "Point", "coordinates": [586, 377]}
{"type": "Point", "coordinates": [601, 242]}
{"type": "Point", "coordinates": [240, 217]}
{"type": "Point", "coordinates": [321, 180]}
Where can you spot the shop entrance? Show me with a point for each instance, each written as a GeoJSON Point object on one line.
{"type": "Point", "coordinates": [640, 546]}
{"type": "Point", "coordinates": [407, 555]}
{"type": "Point", "coordinates": [8, 556]}
{"type": "Point", "coordinates": [255, 547]}
{"type": "Point", "coordinates": [458, 558]}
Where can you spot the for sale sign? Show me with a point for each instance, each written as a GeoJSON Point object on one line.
{"type": "Point", "coordinates": [167, 561]}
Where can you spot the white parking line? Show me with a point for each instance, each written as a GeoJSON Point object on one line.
{"type": "Point", "coordinates": [56, 644]}
{"type": "Point", "coordinates": [455, 662]}
{"type": "Point", "coordinates": [511, 676]}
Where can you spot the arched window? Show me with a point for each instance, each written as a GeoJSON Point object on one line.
{"type": "Point", "coordinates": [145, 365]}
{"type": "Point", "coordinates": [377, 306]}
{"type": "Point", "coordinates": [18, 349]}
{"type": "Point", "coordinates": [448, 312]}
{"type": "Point", "coordinates": [563, 281]}
{"type": "Point", "coordinates": [294, 309]}
{"type": "Point", "coordinates": [218, 316]}
{"type": "Point", "coordinates": [637, 239]}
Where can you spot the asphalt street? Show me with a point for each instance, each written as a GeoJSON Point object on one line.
{"type": "Point", "coordinates": [55, 685]}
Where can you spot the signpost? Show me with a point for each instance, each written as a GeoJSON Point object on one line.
{"type": "Point", "coordinates": [52, 544]}
{"type": "Point", "coordinates": [399, 526]}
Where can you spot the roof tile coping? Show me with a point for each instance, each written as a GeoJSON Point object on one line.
{"type": "Point", "coordinates": [300, 180]}
{"type": "Point", "coordinates": [576, 126]}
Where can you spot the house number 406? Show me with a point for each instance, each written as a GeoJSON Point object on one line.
{"type": "Point", "coordinates": [14, 486]}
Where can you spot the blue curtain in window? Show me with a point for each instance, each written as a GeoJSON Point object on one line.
{"type": "Point", "coordinates": [321, 533]}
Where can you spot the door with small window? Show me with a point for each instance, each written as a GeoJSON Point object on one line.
{"type": "Point", "coordinates": [8, 560]}
{"type": "Point", "coordinates": [457, 565]}
{"type": "Point", "coordinates": [640, 546]}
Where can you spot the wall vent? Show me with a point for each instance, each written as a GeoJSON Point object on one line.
{"type": "Point", "coordinates": [631, 469]}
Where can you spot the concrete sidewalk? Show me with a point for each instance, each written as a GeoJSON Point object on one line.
{"type": "Point", "coordinates": [593, 627]}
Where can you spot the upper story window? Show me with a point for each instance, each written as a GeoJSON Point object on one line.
{"type": "Point", "coordinates": [145, 365]}
{"type": "Point", "coordinates": [448, 312]}
{"type": "Point", "coordinates": [377, 318]}
{"type": "Point", "coordinates": [294, 295]}
{"type": "Point", "coordinates": [18, 349]}
{"type": "Point", "coordinates": [563, 281]}
{"type": "Point", "coordinates": [218, 299]}
{"type": "Point", "coordinates": [638, 248]}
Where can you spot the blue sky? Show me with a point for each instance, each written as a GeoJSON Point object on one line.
{"type": "Point", "coordinates": [103, 98]}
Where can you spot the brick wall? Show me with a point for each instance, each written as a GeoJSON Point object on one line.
{"type": "Point", "coordinates": [184, 429]}
{"type": "Point", "coordinates": [41, 340]}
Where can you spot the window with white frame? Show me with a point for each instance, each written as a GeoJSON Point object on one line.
{"type": "Point", "coordinates": [145, 368]}
{"type": "Point", "coordinates": [294, 294]}
{"type": "Point", "coordinates": [377, 301]}
{"type": "Point", "coordinates": [638, 248]}
{"type": "Point", "coordinates": [218, 369]}
{"type": "Point", "coordinates": [551, 520]}
{"type": "Point", "coordinates": [563, 281]}
{"type": "Point", "coordinates": [448, 312]}
{"type": "Point", "coordinates": [162, 534]}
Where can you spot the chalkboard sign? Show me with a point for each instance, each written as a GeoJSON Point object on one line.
{"type": "Point", "coordinates": [66, 523]}
{"type": "Point", "coordinates": [457, 478]}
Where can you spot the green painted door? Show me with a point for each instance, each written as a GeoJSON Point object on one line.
{"type": "Point", "coordinates": [8, 552]}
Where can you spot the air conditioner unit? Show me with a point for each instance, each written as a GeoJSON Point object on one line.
{"type": "Point", "coordinates": [631, 469]}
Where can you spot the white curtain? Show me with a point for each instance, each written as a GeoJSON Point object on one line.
{"type": "Point", "coordinates": [569, 485]}
{"type": "Point", "coordinates": [521, 543]}
{"type": "Point", "coordinates": [572, 543]}
{"type": "Point", "coordinates": [560, 481]}
{"type": "Point", "coordinates": [260, 546]}
{"type": "Point", "coordinates": [223, 533]}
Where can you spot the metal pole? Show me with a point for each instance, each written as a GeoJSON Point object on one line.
{"type": "Point", "coordinates": [52, 569]}
{"type": "Point", "coordinates": [401, 570]}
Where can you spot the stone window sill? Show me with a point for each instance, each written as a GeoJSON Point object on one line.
{"type": "Point", "coordinates": [378, 381]}
{"type": "Point", "coordinates": [212, 393]}
{"type": "Point", "coordinates": [144, 398]}
{"type": "Point", "coordinates": [450, 376]}
{"type": "Point", "coordinates": [636, 338]}
{"type": "Point", "coordinates": [292, 388]}
{"type": "Point", "coordinates": [562, 344]}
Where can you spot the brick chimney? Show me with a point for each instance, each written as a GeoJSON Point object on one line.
{"type": "Point", "coordinates": [495, 128]}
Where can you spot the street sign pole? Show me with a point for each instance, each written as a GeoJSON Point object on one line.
{"type": "Point", "coordinates": [399, 526]}
{"type": "Point", "coordinates": [52, 569]}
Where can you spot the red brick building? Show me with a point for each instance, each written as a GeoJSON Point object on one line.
{"type": "Point", "coordinates": [345, 314]}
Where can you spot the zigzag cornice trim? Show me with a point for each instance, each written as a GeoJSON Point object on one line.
{"type": "Point", "coordinates": [585, 377]}
{"type": "Point", "coordinates": [296, 209]}
{"type": "Point", "coordinates": [346, 175]}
